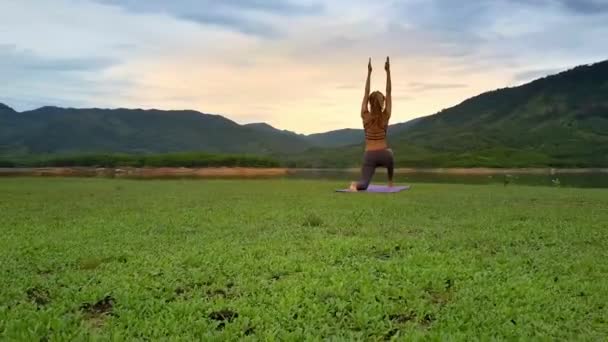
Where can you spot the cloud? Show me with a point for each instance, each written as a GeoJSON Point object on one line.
{"type": "Point", "coordinates": [444, 15]}
{"type": "Point", "coordinates": [586, 6]}
{"type": "Point", "coordinates": [286, 7]}
{"type": "Point", "coordinates": [491, 27]}
{"type": "Point", "coordinates": [290, 63]}
{"type": "Point", "coordinates": [245, 16]}
{"type": "Point", "coordinates": [29, 80]}
{"type": "Point", "coordinates": [13, 60]}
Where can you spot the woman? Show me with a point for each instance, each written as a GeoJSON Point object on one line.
{"type": "Point", "coordinates": [375, 122]}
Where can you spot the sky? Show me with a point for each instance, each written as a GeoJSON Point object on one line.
{"type": "Point", "coordinates": [295, 64]}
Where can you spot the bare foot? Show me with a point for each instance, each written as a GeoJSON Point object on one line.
{"type": "Point", "coordinates": [390, 184]}
{"type": "Point", "coordinates": [353, 187]}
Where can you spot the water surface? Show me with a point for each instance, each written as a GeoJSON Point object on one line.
{"type": "Point", "coordinates": [568, 178]}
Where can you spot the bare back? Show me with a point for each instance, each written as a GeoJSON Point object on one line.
{"type": "Point", "coordinates": [375, 127]}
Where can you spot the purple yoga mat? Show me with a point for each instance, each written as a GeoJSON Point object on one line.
{"type": "Point", "coordinates": [380, 188]}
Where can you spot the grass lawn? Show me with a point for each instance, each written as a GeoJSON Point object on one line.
{"type": "Point", "coordinates": [290, 260]}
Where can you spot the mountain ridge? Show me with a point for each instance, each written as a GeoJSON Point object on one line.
{"type": "Point", "coordinates": [58, 130]}
{"type": "Point", "coordinates": [34, 119]}
{"type": "Point", "coordinates": [560, 119]}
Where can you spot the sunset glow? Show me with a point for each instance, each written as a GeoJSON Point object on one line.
{"type": "Point", "coordinates": [298, 65]}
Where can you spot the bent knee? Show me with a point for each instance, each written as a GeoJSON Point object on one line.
{"type": "Point", "coordinates": [362, 186]}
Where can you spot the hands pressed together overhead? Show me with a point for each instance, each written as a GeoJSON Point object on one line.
{"type": "Point", "coordinates": [388, 98]}
{"type": "Point", "coordinates": [387, 65]}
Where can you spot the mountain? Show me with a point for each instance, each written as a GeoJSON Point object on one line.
{"type": "Point", "coordinates": [350, 136]}
{"type": "Point", "coordinates": [341, 137]}
{"type": "Point", "coordinates": [337, 138]}
{"type": "Point", "coordinates": [559, 120]}
{"type": "Point", "coordinates": [4, 109]}
{"type": "Point", "coordinates": [265, 128]}
{"type": "Point", "coordinates": [67, 130]}
{"type": "Point", "coordinates": [8, 129]}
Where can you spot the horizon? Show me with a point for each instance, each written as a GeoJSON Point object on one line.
{"type": "Point", "coordinates": [226, 116]}
{"type": "Point", "coordinates": [200, 112]}
{"type": "Point", "coordinates": [252, 62]}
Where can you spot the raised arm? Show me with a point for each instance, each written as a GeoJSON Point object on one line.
{"type": "Point", "coordinates": [366, 95]}
{"type": "Point", "coordinates": [389, 99]}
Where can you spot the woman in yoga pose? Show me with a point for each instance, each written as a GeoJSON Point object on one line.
{"type": "Point", "coordinates": [375, 122]}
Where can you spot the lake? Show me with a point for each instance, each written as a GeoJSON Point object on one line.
{"type": "Point", "coordinates": [584, 178]}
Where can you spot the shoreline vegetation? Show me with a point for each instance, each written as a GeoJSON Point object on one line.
{"type": "Point", "coordinates": [146, 172]}
{"type": "Point", "coordinates": [246, 172]}
{"type": "Point", "coordinates": [198, 160]}
{"type": "Point", "coordinates": [116, 160]}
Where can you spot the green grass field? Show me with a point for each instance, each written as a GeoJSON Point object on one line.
{"type": "Point", "coordinates": [291, 260]}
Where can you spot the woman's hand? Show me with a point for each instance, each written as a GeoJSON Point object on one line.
{"type": "Point", "coordinates": [369, 66]}
{"type": "Point", "coordinates": [387, 65]}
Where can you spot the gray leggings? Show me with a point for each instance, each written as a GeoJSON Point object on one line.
{"type": "Point", "coordinates": [372, 160]}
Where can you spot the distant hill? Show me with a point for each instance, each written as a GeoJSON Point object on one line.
{"type": "Point", "coordinates": [265, 128]}
{"type": "Point", "coordinates": [559, 120]}
{"type": "Point", "coordinates": [8, 128]}
{"type": "Point", "coordinates": [337, 138]}
{"type": "Point", "coordinates": [67, 130]}
{"type": "Point", "coordinates": [341, 137]}
{"type": "Point", "coordinates": [4, 109]}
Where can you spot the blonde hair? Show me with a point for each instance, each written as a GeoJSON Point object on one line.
{"type": "Point", "coordinates": [376, 103]}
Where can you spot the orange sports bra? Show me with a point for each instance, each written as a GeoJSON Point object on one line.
{"type": "Point", "coordinates": [375, 127]}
